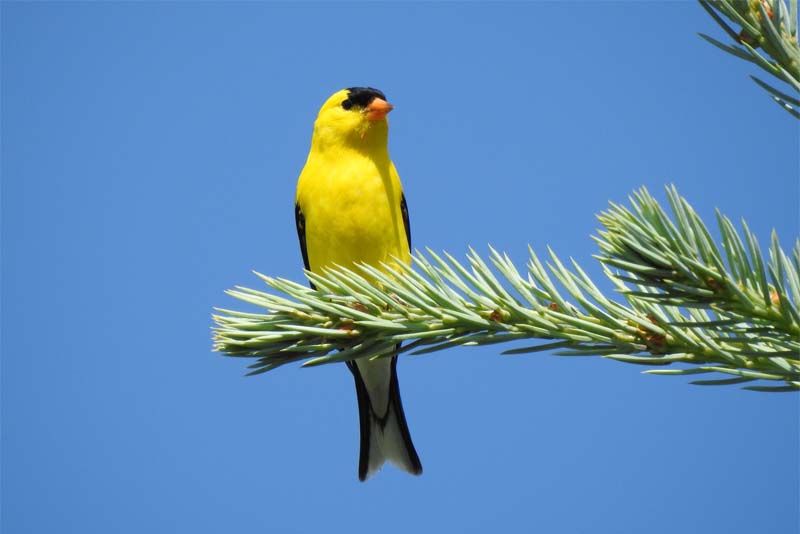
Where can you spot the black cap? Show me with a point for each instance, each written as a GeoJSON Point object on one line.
{"type": "Point", "coordinates": [360, 97]}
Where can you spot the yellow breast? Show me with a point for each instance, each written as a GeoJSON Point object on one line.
{"type": "Point", "coordinates": [351, 204]}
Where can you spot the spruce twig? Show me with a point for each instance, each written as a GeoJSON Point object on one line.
{"type": "Point", "coordinates": [687, 301]}
{"type": "Point", "coordinates": [767, 25]}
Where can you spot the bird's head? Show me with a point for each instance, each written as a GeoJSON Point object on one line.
{"type": "Point", "coordinates": [355, 117]}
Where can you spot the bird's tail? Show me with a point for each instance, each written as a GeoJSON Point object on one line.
{"type": "Point", "coordinates": [384, 431]}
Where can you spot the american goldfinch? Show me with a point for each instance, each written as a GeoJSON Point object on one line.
{"type": "Point", "coordinates": [350, 209]}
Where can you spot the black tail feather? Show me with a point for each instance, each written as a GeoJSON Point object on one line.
{"type": "Point", "coordinates": [364, 410]}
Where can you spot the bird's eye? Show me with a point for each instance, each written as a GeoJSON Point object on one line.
{"type": "Point", "coordinates": [347, 104]}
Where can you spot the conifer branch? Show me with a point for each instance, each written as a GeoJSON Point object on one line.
{"type": "Point", "coordinates": [770, 26]}
{"type": "Point", "coordinates": [721, 310]}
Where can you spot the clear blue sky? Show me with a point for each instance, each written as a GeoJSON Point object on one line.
{"type": "Point", "coordinates": [149, 159]}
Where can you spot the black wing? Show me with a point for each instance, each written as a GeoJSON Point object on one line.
{"type": "Point", "coordinates": [300, 223]}
{"type": "Point", "coordinates": [406, 223]}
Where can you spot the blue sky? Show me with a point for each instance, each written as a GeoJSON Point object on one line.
{"type": "Point", "coordinates": [149, 159]}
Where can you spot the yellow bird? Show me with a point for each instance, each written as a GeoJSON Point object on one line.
{"type": "Point", "coordinates": [350, 209]}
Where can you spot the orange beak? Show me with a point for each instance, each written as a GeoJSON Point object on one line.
{"type": "Point", "coordinates": [378, 109]}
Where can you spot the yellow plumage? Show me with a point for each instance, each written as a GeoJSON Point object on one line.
{"type": "Point", "coordinates": [351, 203]}
{"type": "Point", "coordinates": [350, 209]}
